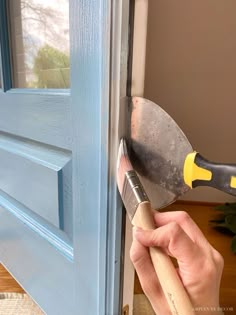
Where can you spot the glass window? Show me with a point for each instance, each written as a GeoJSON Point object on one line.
{"type": "Point", "coordinates": [39, 32]}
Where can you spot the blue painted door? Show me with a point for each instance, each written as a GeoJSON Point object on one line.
{"type": "Point", "coordinates": [60, 214]}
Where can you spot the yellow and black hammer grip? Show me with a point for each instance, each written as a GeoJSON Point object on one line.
{"type": "Point", "coordinates": [200, 172]}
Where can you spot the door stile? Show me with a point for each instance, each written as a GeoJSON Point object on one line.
{"type": "Point", "coordinates": [90, 53]}
{"type": "Point", "coordinates": [4, 45]}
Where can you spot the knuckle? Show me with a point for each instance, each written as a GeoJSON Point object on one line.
{"type": "Point", "coordinates": [214, 265]}
{"type": "Point", "coordinates": [174, 228]}
{"type": "Point", "coordinates": [208, 268]}
{"type": "Point", "coordinates": [174, 236]}
{"type": "Point", "coordinates": [184, 216]}
{"type": "Point", "coordinates": [134, 256]}
{"type": "Point", "coordinates": [211, 271]}
{"type": "Point", "coordinates": [219, 260]}
{"type": "Point", "coordinates": [153, 238]}
{"type": "Point", "coordinates": [137, 255]}
{"type": "Point", "coordinates": [146, 287]}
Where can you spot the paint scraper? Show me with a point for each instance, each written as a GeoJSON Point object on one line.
{"type": "Point", "coordinates": [164, 159]}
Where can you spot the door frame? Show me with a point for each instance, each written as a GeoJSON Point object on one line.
{"type": "Point", "coordinates": [120, 74]}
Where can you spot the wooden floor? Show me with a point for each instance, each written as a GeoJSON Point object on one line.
{"type": "Point", "coordinates": [201, 214]}
{"type": "Point", "coordinates": [7, 283]}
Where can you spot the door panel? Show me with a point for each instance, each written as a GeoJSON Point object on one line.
{"type": "Point", "coordinates": [32, 259]}
{"type": "Point", "coordinates": [45, 118]}
{"type": "Point", "coordinates": [50, 176]}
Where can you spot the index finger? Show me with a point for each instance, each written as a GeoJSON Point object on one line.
{"type": "Point", "coordinates": [175, 240]}
{"type": "Point", "coordinates": [184, 220]}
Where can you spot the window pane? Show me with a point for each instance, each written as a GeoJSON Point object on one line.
{"type": "Point", "coordinates": [40, 43]}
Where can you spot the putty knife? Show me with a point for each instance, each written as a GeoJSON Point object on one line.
{"type": "Point", "coordinates": [165, 160]}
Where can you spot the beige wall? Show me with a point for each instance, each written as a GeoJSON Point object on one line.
{"type": "Point", "coordinates": [191, 73]}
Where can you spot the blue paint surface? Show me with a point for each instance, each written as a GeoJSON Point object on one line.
{"type": "Point", "coordinates": [42, 170]}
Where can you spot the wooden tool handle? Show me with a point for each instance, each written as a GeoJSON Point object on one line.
{"type": "Point", "coordinates": [173, 289]}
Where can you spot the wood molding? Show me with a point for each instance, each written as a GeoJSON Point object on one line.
{"type": "Point", "coordinates": [198, 203]}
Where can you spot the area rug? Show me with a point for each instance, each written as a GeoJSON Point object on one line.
{"type": "Point", "coordinates": [22, 304]}
{"type": "Point", "coordinates": [18, 304]}
{"type": "Point", "coordinates": [142, 305]}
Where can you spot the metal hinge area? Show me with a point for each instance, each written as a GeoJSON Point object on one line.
{"type": "Point", "coordinates": [125, 310]}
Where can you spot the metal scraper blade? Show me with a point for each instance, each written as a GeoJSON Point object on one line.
{"type": "Point", "coordinates": [158, 151]}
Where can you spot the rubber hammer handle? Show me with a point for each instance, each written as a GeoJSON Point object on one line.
{"type": "Point", "coordinates": [198, 171]}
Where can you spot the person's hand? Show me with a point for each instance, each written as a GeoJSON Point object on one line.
{"type": "Point", "coordinates": [199, 264]}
